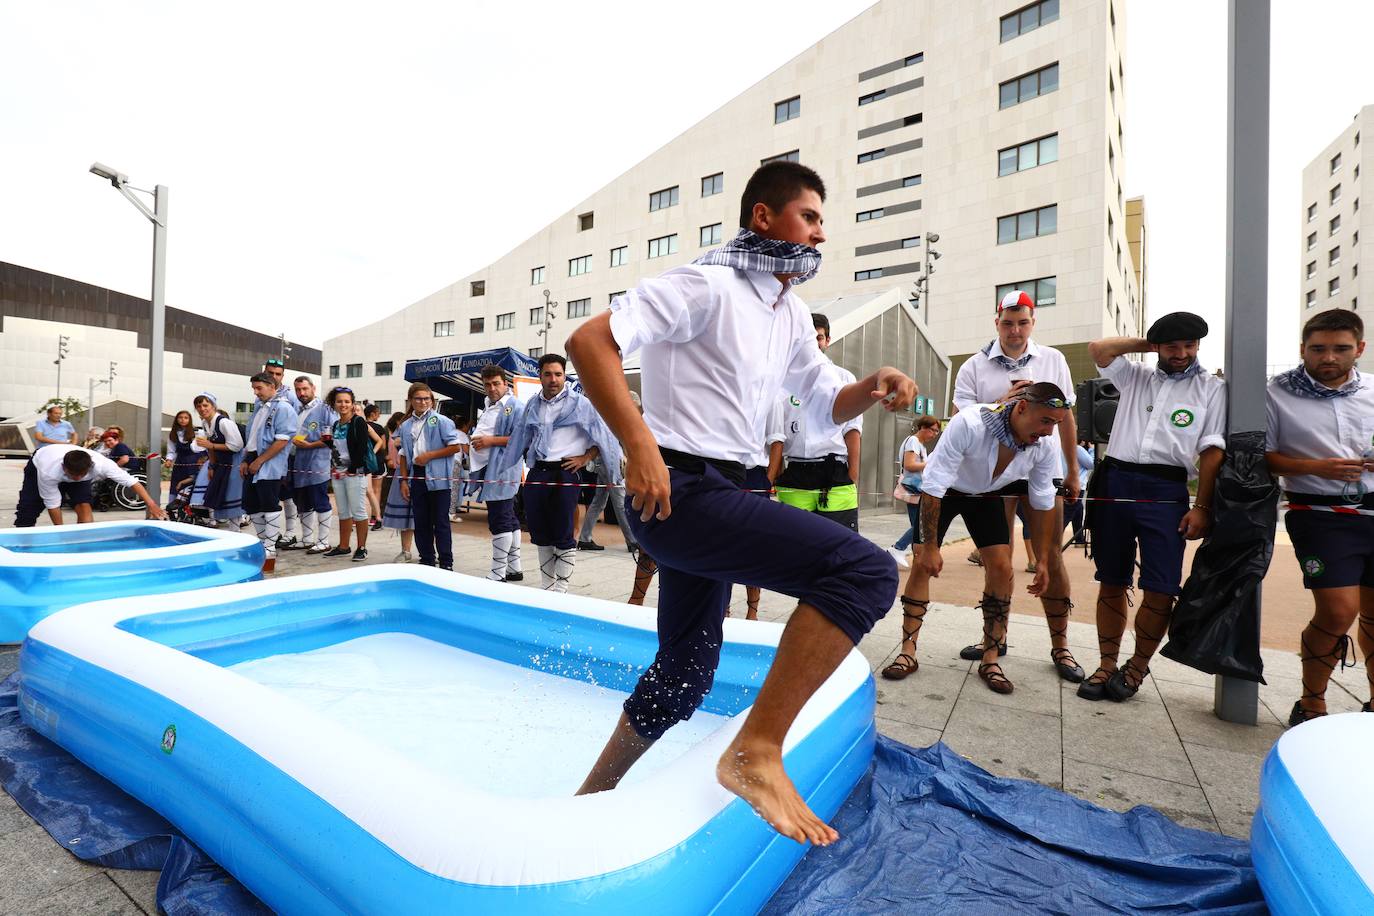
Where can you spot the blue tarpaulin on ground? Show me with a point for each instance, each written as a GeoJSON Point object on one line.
{"type": "Point", "coordinates": [924, 831]}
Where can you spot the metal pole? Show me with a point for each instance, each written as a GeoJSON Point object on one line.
{"type": "Point", "coordinates": [59, 368]}
{"type": "Point", "coordinates": [155, 342]}
{"type": "Point", "coordinates": [90, 407]}
{"type": "Point", "coordinates": [1247, 259]}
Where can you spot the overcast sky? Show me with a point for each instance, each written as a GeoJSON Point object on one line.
{"type": "Point", "coordinates": [331, 163]}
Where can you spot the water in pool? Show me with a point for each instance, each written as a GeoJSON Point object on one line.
{"type": "Point", "coordinates": [500, 728]}
{"type": "Point", "coordinates": [79, 539]}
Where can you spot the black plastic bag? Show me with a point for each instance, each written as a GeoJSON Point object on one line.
{"type": "Point", "coordinates": [1216, 622]}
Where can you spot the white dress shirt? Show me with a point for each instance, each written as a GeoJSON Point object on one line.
{"type": "Point", "coordinates": [1320, 428]}
{"type": "Point", "coordinates": [47, 465]}
{"type": "Point", "coordinates": [983, 379]}
{"type": "Point", "coordinates": [806, 439]}
{"type": "Point", "coordinates": [967, 457]}
{"type": "Point", "coordinates": [774, 432]}
{"type": "Point", "coordinates": [1162, 420]}
{"type": "Point", "coordinates": [565, 441]}
{"type": "Point", "coordinates": [720, 346]}
{"type": "Point", "coordinates": [486, 426]}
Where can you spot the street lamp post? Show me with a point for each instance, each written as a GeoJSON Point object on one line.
{"type": "Point", "coordinates": [62, 340]}
{"type": "Point", "coordinates": [157, 215]}
{"type": "Point", "coordinates": [549, 319]}
{"type": "Point", "coordinates": [90, 402]}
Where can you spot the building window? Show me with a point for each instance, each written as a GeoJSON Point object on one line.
{"type": "Point", "coordinates": [1311, 296]}
{"type": "Point", "coordinates": [663, 246]}
{"type": "Point", "coordinates": [537, 315]}
{"type": "Point", "coordinates": [441, 329]}
{"type": "Point", "coordinates": [1028, 86]}
{"type": "Point", "coordinates": [382, 369]}
{"type": "Point", "coordinates": [334, 370]}
{"type": "Point", "coordinates": [1333, 257]}
{"type": "Point", "coordinates": [872, 274]}
{"type": "Point", "coordinates": [1311, 241]}
{"type": "Point", "coordinates": [1333, 286]}
{"type": "Point", "coordinates": [871, 155]}
{"type": "Point", "coordinates": [1028, 224]}
{"type": "Point", "coordinates": [536, 352]}
{"type": "Point", "coordinates": [1311, 269]}
{"type": "Point", "coordinates": [712, 185]}
{"type": "Point", "coordinates": [789, 156]}
{"type": "Point", "coordinates": [579, 266]}
{"type": "Point", "coordinates": [872, 97]}
{"type": "Point", "coordinates": [710, 235]}
{"type": "Point", "coordinates": [619, 256]}
{"type": "Point", "coordinates": [477, 325]}
{"type": "Point", "coordinates": [353, 370]}
{"type": "Point", "coordinates": [1335, 163]}
{"type": "Point", "coordinates": [384, 407]}
{"type": "Point", "coordinates": [787, 110]}
{"type": "Point", "coordinates": [477, 288]}
{"type": "Point", "coordinates": [1029, 18]}
{"type": "Point", "coordinates": [611, 298]}
{"type": "Point", "coordinates": [911, 241]}
{"type": "Point", "coordinates": [1311, 212]}
{"type": "Point", "coordinates": [662, 200]}
{"type": "Point", "coordinates": [1335, 194]}
{"type": "Point", "coordinates": [585, 221]}
{"type": "Point", "coordinates": [1335, 225]}
{"type": "Point", "coordinates": [864, 216]}
{"type": "Point", "coordinates": [243, 408]}
{"type": "Point", "coordinates": [911, 181]}
{"type": "Point", "coordinates": [1029, 154]}
{"type": "Point", "coordinates": [579, 308]}
{"type": "Point", "coordinates": [1043, 291]}
{"type": "Point", "coordinates": [536, 276]}
{"type": "Point", "coordinates": [505, 321]}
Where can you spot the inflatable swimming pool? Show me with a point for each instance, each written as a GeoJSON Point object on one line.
{"type": "Point", "coordinates": [44, 569]}
{"type": "Point", "coordinates": [398, 738]}
{"type": "Point", "coordinates": [1312, 840]}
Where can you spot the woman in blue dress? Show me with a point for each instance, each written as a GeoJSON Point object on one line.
{"type": "Point", "coordinates": [181, 452]}
{"type": "Point", "coordinates": [218, 486]}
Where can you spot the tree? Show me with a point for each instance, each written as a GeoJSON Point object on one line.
{"type": "Point", "coordinates": [71, 407]}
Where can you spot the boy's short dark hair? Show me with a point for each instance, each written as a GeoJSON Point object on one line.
{"type": "Point", "coordinates": [1334, 320]}
{"type": "Point", "coordinates": [372, 410]}
{"type": "Point", "coordinates": [775, 185]}
{"type": "Point", "coordinates": [304, 378]}
{"type": "Point", "coordinates": [491, 370]}
{"type": "Point", "coordinates": [1042, 393]}
{"type": "Point", "coordinates": [552, 358]}
{"type": "Point", "coordinates": [821, 323]}
{"type": "Point", "coordinates": [77, 461]}
{"type": "Point", "coordinates": [262, 378]}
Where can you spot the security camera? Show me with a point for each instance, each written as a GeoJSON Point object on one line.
{"type": "Point", "coordinates": [113, 177]}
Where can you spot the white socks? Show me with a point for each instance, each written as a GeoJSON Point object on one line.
{"type": "Point", "coordinates": [556, 568]}
{"type": "Point", "coordinates": [268, 527]}
{"type": "Point", "coordinates": [322, 526]}
{"type": "Point", "coordinates": [513, 553]}
{"type": "Point", "coordinates": [289, 507]}
{"type": "Point", "coordinates": [307, 527]}
{"type": "Point", "coordinates": [500, 549]}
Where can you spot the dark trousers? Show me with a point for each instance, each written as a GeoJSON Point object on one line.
{"type": "Point", "coordinates": [1119, 527]}
{"type": "Point", "coordinates": [717, 536]}
{"type": "Point", "coordinates": [432, 532]}
{"type": "Point", "coordinates": [551, 510]}
{"type": "Point", "coordinates": [30, 504]}
{"type": "Point", "coordinates": [501, 516]}
{"type": "Point", "coordinates": [312, 498]}
{"type": "Point", "coordinates": [261, 496]}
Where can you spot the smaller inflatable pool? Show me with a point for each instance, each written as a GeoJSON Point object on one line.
{"type": "Point", "coordinates": [45, 569]}
{"type": "Point", "coordinates": [401, 739]}
{"type": "Point", "coordinates": [1312, 839]}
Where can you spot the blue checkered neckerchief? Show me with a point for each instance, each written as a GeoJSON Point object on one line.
{"type": "Point", "coordinates": [751, 251]}
{"type": "Point", "coordinates": [998, 421]}
{"type": "Point", "coordinates": [1006, 362]}
{"type": "Point", "coordinates": [1298, 382]}
{"type": "Point", "coordinates": [1194, 369]}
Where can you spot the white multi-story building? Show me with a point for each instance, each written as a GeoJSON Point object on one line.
{"type": "Point", "coordinates": [1332, 224]}
{"type": "Point", "coordinates": [995, 126]}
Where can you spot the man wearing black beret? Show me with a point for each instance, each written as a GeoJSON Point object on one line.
{"type": "Point", "coordinates": [1170, 427]}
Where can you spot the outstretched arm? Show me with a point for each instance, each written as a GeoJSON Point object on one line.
{"type": "Point", "coordinates": [888, 385]}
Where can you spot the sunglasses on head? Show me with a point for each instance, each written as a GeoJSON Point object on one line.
{"type": "Point", "coordinates": [276, 362]}
{"type": "Point", "coordinates": [1056, 403]}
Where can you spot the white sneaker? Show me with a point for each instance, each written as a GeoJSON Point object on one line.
{"type": "Point", "coordinates": [900, 557]}
{"type": "Point", "coordinates": [404, 556]}
{"type": "Point", "coordinates": [453, 517]}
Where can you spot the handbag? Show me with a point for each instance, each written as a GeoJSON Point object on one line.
{"type": "Point", "coordinates": [902, 494]}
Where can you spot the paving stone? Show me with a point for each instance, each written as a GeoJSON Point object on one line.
{"type": "Point", "coordinates": [139, 884]}
{"type": "Point", "coordinates": [33, 868]}
{"type": "Point", "coordinates": [1135, 736]}
{"type": "Point", "coordinates": [1007, 742]}
{"type": "Point", "coordinates": [12, 817]}
{"type": "Point", "coordinates": [1122, 790]}
{"type": "Point", "coordinates": [98, 895]}
{"type": "Point", "coordinates": [9, 662]}
{"type": "Point", "coordinates": [1036, 683]}
{"type": "Point", "coordinates": [905, 732]}
{"type": "Point", "coordinates": [925, 698]}
{"type": "Point", "coordinates": [1231, 780]}
{"type": "Point", "coordinates": [1190, 709]}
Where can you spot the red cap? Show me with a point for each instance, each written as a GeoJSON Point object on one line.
{"type": "Point", "coordinates": [1016, 299]}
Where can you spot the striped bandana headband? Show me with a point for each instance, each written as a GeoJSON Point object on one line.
{"type": "Point", "coordinates": [998, 422]}
{"type": "Point", "coordinates": [751, 251]}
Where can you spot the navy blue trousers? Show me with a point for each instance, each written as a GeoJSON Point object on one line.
{"type": "Point", "coordinates": [432, 532]}
{"type": "Point", "coordinates": [501, 516]}
{"type": "Point", "coordinates": [717, 536]}
{"type": "Point", "coordinates": [551, 510]}
{"type": "Point", "coordinates": [312, 498]}
{"type": "Point", "coordinates": [30, 504]}
{"type": "Point", "coordinates": [1118, 527]}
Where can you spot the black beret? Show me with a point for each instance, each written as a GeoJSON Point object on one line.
{"type": "Point", "coordinates": [1177, 326]}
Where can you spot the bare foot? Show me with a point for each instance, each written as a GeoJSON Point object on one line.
{"type": "Point", "coordinates": [757, 776]}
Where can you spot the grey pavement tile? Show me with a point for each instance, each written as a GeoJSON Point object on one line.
{"type": "Point", "coordinates": [1036, 686]}
{"type": "Point", "coordinates": [944, 633]}
{"type": "Point", "coordinates": [878, 652]}
{"type": "Point", "coordinates": [1190, 709]}
{"type": "Point", "coordinates": [1280, 693]}
{"type": "Point", "coordinates": [98, 895]}
{"type": "Point", "coordinates": [1121, 790]}
{"type": "Point", "coordinates": [1007, 742]}
{"type": "Point", "coordinates": [1231, 780]}
{"type": "Point", "coordinates": [139, 884]}
{"type": "Point", "coordinates": [905, 732]}
{"type": "Point", "coordinates": [1135, 736]}
{"type": "Point", "coordinates": [1166, 669]}
{"type": "Point", "coordinates": [12, 817]}
{"type": "Point", "coordinates": [925, 698]}
{"type": "Point", "coordinates": [9, 662]}
{"type": "Point", "coordinates": [33, 868]}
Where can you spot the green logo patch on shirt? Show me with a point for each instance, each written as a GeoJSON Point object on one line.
{"type": "Point", "coordinates": [1181, 418]}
